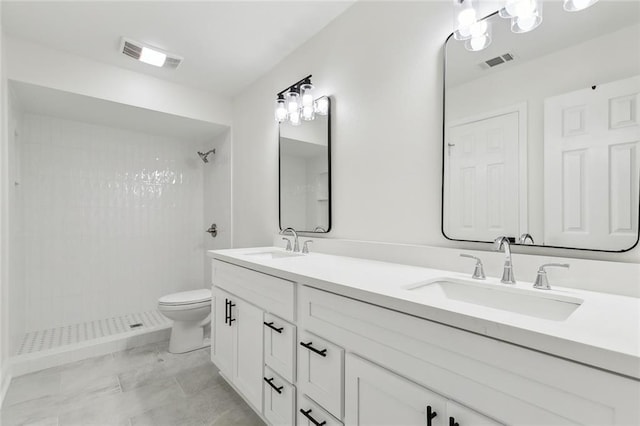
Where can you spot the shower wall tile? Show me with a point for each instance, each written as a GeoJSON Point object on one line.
{"type": "Point", "coordinates": [113, 220]}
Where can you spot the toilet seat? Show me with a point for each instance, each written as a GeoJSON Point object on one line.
{"type": "Point", "coordinates": [187, 299]}
{"type": "Point", "coordinates": [184, 307]}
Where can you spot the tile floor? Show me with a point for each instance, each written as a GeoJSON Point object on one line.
{"type": "Point", "coordinates": [140, 386]}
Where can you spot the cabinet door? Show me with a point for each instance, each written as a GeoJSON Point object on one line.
{"type": "Point", "coordinates": [279, 399]}
{"type": "Point", "coordinates": [279, 346]}
{"type": "Point", "coordinates": [376, 396]}
{"type": "Point", "coordinates": [311, 414]}
{"type": "Point", "coordinates": [222, 348]}
{"type": "Point", "coordinates": [320, 372]}
{"type": "Point", "coordinates": [458, 415]}
{"type": "Point", "coordinates": [247, 350]}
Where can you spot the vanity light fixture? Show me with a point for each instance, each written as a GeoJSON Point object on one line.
{"type": "Point", "coordinates": [476, 34]}
{"type": "Point", "coordinates": [525, 15]}
{"type": "Point", "coordinates": [297, 103]}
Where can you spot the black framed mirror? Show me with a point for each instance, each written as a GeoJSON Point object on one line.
{"type": "Point", "coordinates": [542, 132]}
{"type": "Point", "coordinates": [305, 174]}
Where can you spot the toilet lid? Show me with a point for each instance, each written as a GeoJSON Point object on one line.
{"type": "Point", "coordinates": [186, 297]}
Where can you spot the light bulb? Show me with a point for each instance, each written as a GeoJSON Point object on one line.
{"type": "Point", "coordinates": [526, 23]}
{"type": "Point", "coordinates": [294, 118]}
{"type": "Point", "coordinates": [520, 7]}
{"type": "Point", "coordinates": [466, 17]}
{"type": "Point", "coordinates": [293, 101]}
{"type": "Point", "coordinates": [478, 29]}
{"type": "Point", "coordinates": [577, 5]}
{"type": "Point", "coordinates": [281, 109]}
{"type": "Point", "coordinates": [478, 43]}
{"type": "Point", "coordinates": [322, 106]}
{"type": "Point", "coordinates": [307, 113]}
{"type": "Point", "coordinates": [306, 90]}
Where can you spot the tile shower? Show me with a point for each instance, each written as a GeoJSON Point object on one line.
{"type": "Point", "coordinates": [104, 221]}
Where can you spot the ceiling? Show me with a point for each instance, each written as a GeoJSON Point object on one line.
{"type": "Point", "coordinates": [86, 109]}
{"type": "Point", "coordinates": [226, 45]}
{"type": "Point", "coordinates": [559, 30]}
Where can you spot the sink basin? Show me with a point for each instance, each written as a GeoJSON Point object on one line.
{"type": "Point", "coordinates": [273, 254]}
{"type": "Point", "coordinates": [532, 303]}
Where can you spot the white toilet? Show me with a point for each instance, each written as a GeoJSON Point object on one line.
{"type": "Point", "coordinates": [190, 312]}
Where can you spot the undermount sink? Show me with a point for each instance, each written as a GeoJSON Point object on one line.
{"type": "Point", "coordinates": [273, 254]}
{"type": "Point", "coordinates": [532, 303]}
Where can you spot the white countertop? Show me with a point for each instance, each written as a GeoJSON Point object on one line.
{"type": "Point", "coordinates": [603, 332]}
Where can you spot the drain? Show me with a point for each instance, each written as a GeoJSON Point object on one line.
{"type": "Point", "coordinates": [136, 325]}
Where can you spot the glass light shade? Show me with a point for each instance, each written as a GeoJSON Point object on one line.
{"type": "Point", "coordinates": [465, 17]}
{"type": "Point", "coordinates": [577, 5]}
{"type": "Point", "coordinates": [321, 106]}
{"type": "Point", "coordinates": [526, 22]}
{"type": "Point", "coordinates": [513, 8]}
{"type": "Point", "coordinates": [281, 109]}
{"type": "Point", "coordinates": [307, 113]}
{"type": "Point", "coordinates": [294, 118]}
{"type": "Point", "coordinates": [306, 91]}
{"type": "Point", "coordinates": [293, 101]}
{"type": "Point", "coordinates": [478, 43]}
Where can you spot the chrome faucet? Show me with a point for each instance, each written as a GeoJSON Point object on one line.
{"type": "Point", "coordinates": [296, 245]}
{"type": "Point", "coordinates": [526, 237]}
{"type": "Point", "coordinates": [502, 243]}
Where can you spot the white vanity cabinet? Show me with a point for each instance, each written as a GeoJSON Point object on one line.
{"type": "Point", "coordinates": [375, 395]}
{"type": "Point", "coordinates": [237, 349]}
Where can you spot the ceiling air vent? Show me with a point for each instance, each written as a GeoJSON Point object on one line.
{"type": "Point", "coordinates": [149, 54]}
{"type": "Point", "coordinates": [490, 63]}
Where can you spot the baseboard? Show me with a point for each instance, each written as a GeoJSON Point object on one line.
{"type": "Point", "coordinates": [5, 377]}
{"type": "Point", "coordinates": [32, 362]}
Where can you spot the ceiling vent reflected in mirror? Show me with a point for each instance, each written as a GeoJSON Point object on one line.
{"type": "Point", "coordinates": [498, 60]}
{"type": "Point", "coordinates": [148, 54]}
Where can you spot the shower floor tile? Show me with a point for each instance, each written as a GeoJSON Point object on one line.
{"type": "Point", "coordinates": [174, 390]}
{"type": "Point", "coordinates": [51, 338]}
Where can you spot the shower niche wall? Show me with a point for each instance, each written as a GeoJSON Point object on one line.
{"type": "Point", "coordinates": [109, 205]}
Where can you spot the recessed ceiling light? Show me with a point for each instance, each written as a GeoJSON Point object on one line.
{"type": "Point", "coordinates": [152, 57]}
{"type": "Point", "coordinates": [149, 54]}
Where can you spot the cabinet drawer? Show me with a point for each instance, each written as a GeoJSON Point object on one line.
{"type": "Point", "coordinates": [269, 293]}
{"type": "Point", "coordinates": [321, 371]}
{"type": "Point", "coordinates": [311, 414]}
{"type": "Point", "coordinates": [279, 399]}
{"type": "Point", "coordinates": [280, 346]}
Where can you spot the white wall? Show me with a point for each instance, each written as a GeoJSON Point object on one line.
{"type": "Point", "coordinates": [15, 250]}
{"type": "Point", "coordinates": [382, 64]}
{"type": "Point", "coordinates": [33, 63]}
{"type": "Point", "coordinates": [586, 64]}
{"type": "Point", "coordinates": [113, 220]}
{"type": "Point", "coordinates": [217, 197]}
{"type": "Point", "coordinates": [4, 279]}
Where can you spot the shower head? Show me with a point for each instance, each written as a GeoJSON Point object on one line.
{"type": "Point", "coordinates": [204, 155]}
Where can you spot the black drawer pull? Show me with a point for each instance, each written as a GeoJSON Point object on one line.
{"type": "Point", "coordinates": [452, 422]}
{"type": "Point", "coordinates": [226, 311]}
{"type": "Point", "coordinates": [276, 329]}
{"type": "Point", "coordinates": [430, 415]}
{"type": "Point", "coordinates": [322, 352]}
{"type": "Point", "coordinates": [307, 414]}
{"type": "Point", "coordinates": [270, 381]}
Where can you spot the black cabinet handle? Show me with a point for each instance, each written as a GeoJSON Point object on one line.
{"type": "Point", "coordinates": [277, 388]}
{"type": "Point", "coordinates": [231, 305]}
{"type": "Point", "coordinates": [452, 422]}
{"type": "Point", "coordinates": [322, 352]}
{"type": "Point", "coordinates": [226, 311]}
{"type": "Point", "coordinates": [271, 326]}
{"type": "Point", "coordinates": [430, 415]}
{"type": "Point", "coordinates": [307, 414]}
